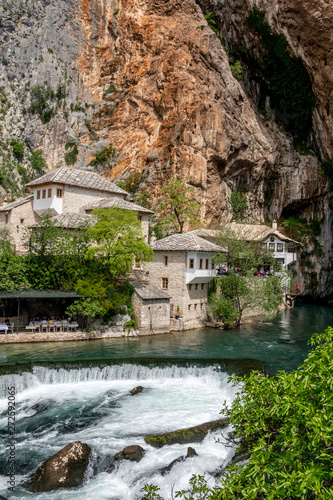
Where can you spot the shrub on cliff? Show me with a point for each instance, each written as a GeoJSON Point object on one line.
{"type": "Point", "coordinates": [285, 425]}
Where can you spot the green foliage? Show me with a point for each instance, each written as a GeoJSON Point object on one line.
{"type": "Point", "coordinates": [103, 156]}
{"type": "Point", "coordinates": [211, 21]}
{"type": "Point", "coordinates": [237, 70]}
{"type": "Point", "coordinates": [71, 156]}
{"type": "Point", "coordinates": [285, 424]}
{"type": "Point", "coordinates": [12, 267]}
{"type": "Point", "coordinates": [289, 84]}
{"type": "Point", "coordinates": [239, 291]}
{"type": "Point", "coordinates": [37, 161]}
{"type": "Point", "coordinates": [118, 241]}
{"type": "Point", "coordinates": [40, 95]}
{"type": "Point", "coordinates": [151, 492]}
{"type": "Point", "coordinates": [178, 206]}
{"type": "Point", "coordinates": [110, 90]}
{"type": "Point", "coordinates": [238, 203]}
{"type": "Point", "coordinates": [301, 229]}
{"type": "Point", "coordinates": [18, 149]}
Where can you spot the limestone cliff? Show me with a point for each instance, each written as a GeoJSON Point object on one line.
{"type": "Point", "coordinates": [151, 78]}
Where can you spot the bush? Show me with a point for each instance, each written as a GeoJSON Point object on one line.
{"type": "Point", "coordinates": [238, 202]}
{"type": "Point", "coordinates": [237, 71]}
{"type": "Point", "coordinates": [18, 149]}
{"type": "Point", "coordinates": [103, 156]}
{"type": "Point", "coordinates": [37, 161]}
{"type": "Point", "coordinates": [71, 157]}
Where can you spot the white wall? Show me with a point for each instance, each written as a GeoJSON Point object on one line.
{"type": "Point", "coordinates": [53, 204]}
{"type": "Point", "coordinates": [198, 275]}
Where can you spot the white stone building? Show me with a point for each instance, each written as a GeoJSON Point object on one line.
{"type": "Point", "coordinates": [69, 195]}
{"type": "Point", "coordinates": [284, 249]}
{"type": "Point", "coordinates": [183, 267]}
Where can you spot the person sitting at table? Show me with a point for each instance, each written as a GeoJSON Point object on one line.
{"type": "Point", "coordinates": [31, 323]}
{"type": "Point", "coordinates": [7, 322]}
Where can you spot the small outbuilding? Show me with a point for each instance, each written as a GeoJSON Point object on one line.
{"type": "Point", "coordinates": [151, 308]}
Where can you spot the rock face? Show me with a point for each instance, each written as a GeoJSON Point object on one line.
{"type": "Point", "coordinates": [65, 469]}
{"type": "Point", "coordinates": [189, 435]}
{"type": "Point", "coordinates": [151, 77]}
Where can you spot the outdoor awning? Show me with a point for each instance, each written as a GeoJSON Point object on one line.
{"type": "Point", "coordinates": [39, 294]}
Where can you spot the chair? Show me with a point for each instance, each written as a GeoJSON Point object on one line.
{"type": "Point", "coordinates": [51, 326]}
{"type": "Point", "coordinates": [37, 326]}
{"type": "Point", "coordinates": [65, 326]}
{"type": "Point", "coordinates": [58, 326]}
{"type": "Point", "coordinates": [44, 327]}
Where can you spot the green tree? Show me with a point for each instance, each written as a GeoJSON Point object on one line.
{"type": "Point", "coordinates": [240, 290]}
{"type": "Point", "coordinates": [238, 203]}
{"type": "Point", "coordinates": [178, 206]}
{"type": "Point", "coordinates": [37, 161]}
{"type": "Point", "coordinates": [118, 241]}
{"type": "Point", "coordinates": [12, 266]}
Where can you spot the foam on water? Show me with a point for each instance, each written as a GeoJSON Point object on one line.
{"type": "Point", "coordinates": [94, 405]}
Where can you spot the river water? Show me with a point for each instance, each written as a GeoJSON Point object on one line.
{"type": "Point", "coordinates": [81, 391]}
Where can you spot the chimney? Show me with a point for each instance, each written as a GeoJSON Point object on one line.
{"type": "Point", "coordinates": [153, 239]}
{"type": "Point", "coordinates": [274, 225]}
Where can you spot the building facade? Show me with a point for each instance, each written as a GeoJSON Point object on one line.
{"type": "Point", "coordinates": [67, 195]}
{"type": "Point", "coordinates": [183, 267]}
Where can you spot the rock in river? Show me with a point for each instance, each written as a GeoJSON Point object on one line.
{"type": "Point", "coordinates": [65, 469]}
{"type": "Point", "coordinates": [189, 435]}
{"type": "Point", "coordinates": [133, 453]}
{"type": "Point", "coordinates": [136, 390]}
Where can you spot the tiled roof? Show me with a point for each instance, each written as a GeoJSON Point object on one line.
{"type": "Point", "coordinates": [256, 232]}
{"type": "Point", "coordinates": [250, 232]}
{"type": "Point", "coordinates": [14, 204]}
{"type": "Point", "coordinates": [187, 242]}
{"type": "Point", "coordinates": [76, 177]}
{"type": "Point", "coordinates": [117, 203]}
{"type": "Point", "coordinates": [69, 220]}
{"type": "Point", "coordinates": [147, 291]}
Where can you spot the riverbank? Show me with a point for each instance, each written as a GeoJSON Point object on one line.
{"type": "Point", "coordinates": [25, 337]}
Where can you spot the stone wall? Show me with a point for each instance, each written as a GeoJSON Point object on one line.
{"type": "Point", "coordinates": [153, 315]}
{"type": "Point", "coordinates": [14, 224]}
{"type": "Point", "coordinates": [75, 198]}
{"type": "Point", "coordinates": [114, 332]}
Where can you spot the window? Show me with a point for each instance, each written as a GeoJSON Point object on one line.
{"type": "Point", "coordinates": [190, 287]}
{"type": "Point", "coordinates": [207, 263]}
{"type": "Point", "coordinates": [202, 286]}
{"type": "Point", "coordinates": [22, 221]}
{"type": "Point", "coordinates": [272, 246]}
{"type": "Point", "coordinates": [279, 247]}
{"type": "Point", "coordinates": [140, 217]}
{"type": "Point", "coordinates": [165, 260]}
{"type": "Point", "coordinates": [38, 194]}
{"type": "Point", "coordinates": [165, 283]}
{"type": "Point", "coordinates": [191, 264]}
{"type": "Point", "coordinates": [201, 264]}
{"type": "Point", "coordinates": [264, 246]}
{"type": "Point", "coordinates": [196, 286]}
{"type": "Point", "coordinates": [137, 264]}
{"type": "Point", "coordinates": [189, 307]}
{"type": "Point", "coordinates": [49, 192]}
{"type": "Point", "coordinates": [44, 194]}
{"type": "Point", "coordinates": [59, 193]}
{"type": "Point", "coordinates": [195, 306]}
{"type": "Point", "coordinates": [213, 266]}
{"type": "Point", "coordinates": [201, 305]}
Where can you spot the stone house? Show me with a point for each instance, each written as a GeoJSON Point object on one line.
{"type": "Point", "coordinates": [69, 195]}
{"type": "Point", "coordinates": [284, 249]}
{"type": "Point", "coordinates": [151, 308]}
{"type": "Point", "coordinates": [183, 267]}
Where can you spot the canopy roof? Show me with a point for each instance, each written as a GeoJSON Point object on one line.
{"type": "Point", "coordinates": [39, 294]}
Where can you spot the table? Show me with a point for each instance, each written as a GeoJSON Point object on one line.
{"type": "Point", "coordinates": [3, 328]}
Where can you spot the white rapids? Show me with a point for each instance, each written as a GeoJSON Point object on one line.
{"type": "Point", "coordinates": [94, 405]}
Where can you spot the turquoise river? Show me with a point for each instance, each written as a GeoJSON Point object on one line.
{"type": "Point", "coordinates": [80, 391]}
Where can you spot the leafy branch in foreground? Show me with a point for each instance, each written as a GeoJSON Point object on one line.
{"type": "Point", "coordinates": [285, 428]}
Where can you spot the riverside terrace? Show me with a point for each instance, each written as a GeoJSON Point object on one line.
{"type": "Point", "coordinates": [19, 308]}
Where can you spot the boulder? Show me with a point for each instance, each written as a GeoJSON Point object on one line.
{"type": "Point", "coordinates": [136, 390]}
{"type": "Point", "coordinates": [188, 435]}
{"type": "Point", "coordinates": [133, 453]}
{"type": "Point", "coordinates": [65, 469]}
{"type": "Point", "coordinates": [191, 452]}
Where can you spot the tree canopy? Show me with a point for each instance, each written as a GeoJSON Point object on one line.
{"type": "Point", "coordinates": [239, 290]}
{"type": "Point", "coordinates": [178, 206]}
